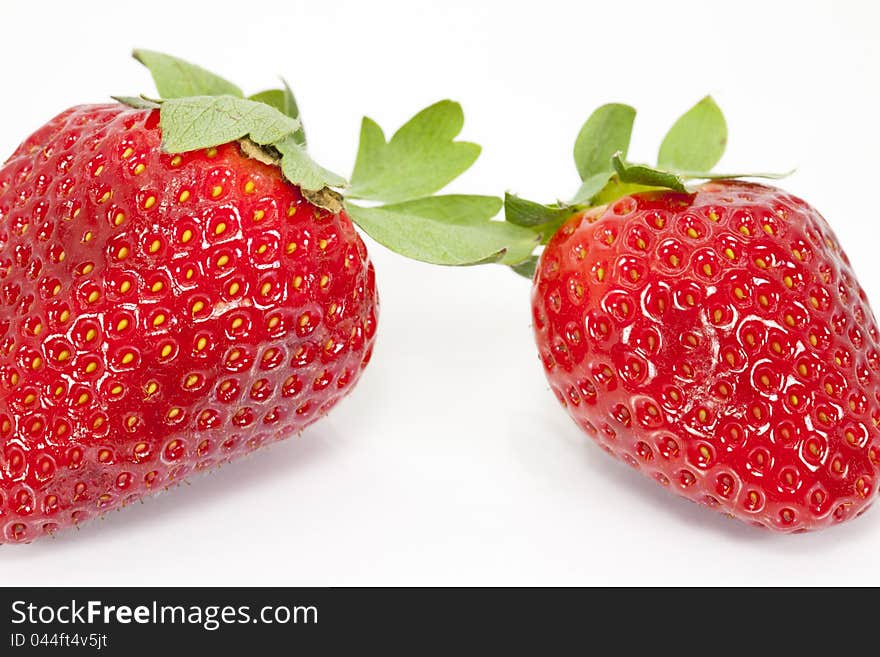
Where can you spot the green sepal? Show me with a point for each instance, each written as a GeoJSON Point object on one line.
{"type": "Point", "coordinates": [696, 141]}
{"type": "Point", "coordinates": [641, 174]}
{"type": "Point", "coordinates": [446, 230]}
{"type": "Point", "coordinates": [285, 102]}
{"type": "Point", "coordinates": [137, 102]}
{"type": "Point", "coordinates": [421, 158]}
{"type": "Point", "coordinates": [178, 78]}
{"type": "Point", "coordinates": [526, 268]}
{"type": "Point", "coordinates": [529, 214]}
{"type": "Point", "coordinates": [607, 131]}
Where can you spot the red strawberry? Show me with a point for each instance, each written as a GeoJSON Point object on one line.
{"type": "Point", "coordinates": [719, 342]}
{"type": "Point", "coordinates": [165, 312]}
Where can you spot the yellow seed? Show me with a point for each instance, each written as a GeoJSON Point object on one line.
{"type": "Point", "coordinates": [794, 400]}
{"type": "Point", "coordinates": [674, 260]}
{"type": "Point", "coordinates": [814, 340]}
{"type": "Point", "coordinates": [634, 275]}
{"type": "Point", "coordinates": [122, 254]}
{"type": "Point", "coordinates": [201, 343]}
{"type": "Point", "coordinates": [56, 289]}
{"type": "Point", "coordinates": [176, 160]}
{"type": "Point", "coordinates": [127, 153]}
{"type": "Point", "coordinates": [258, 215]}
{"type": "Point", "coordinates": [814, 302]}
{"type": "Point", "coordinates": [127, 358]}
{"type": "Point", "coordinates": [173, 413]}
{"type": "Point", "coordinates": [197, 307]}
{"type": "Point", "coordinates": [291, 247]}
{"type": "Point", "coordinates": [30, 399]}
{"type": "Point", "coordinates": [262, 249]}
{"type": "Point", "coordinates": [692, 233]}
{"type": "Point", "coordinates": [704, 452]}
{"type": "Point", "coordinates": [702, 415]}
{"type": "Point", "coordinates": [738, 291]}
{"type": "Point", "coordinates": [761, 263]}
{"type": "Point", "coordinates": [234, 288]}
{"type": "Point", "coordinates": [769, 229]}
{"type": "Point", "coordinates": [36, 363]}
{"type": "Point", "coordinates": [155, 245]}
{"type": "Point", "coordinates": [789, 283]}
{"type": "Point", "coordinates": [762, 299]}
{"type": "Point", "coordinates": [745, 231]}
{"type": "Point", "coordinates": [216, 191]}
{"type": "Point", "coordinates": [151, 387]}
{"type": "Point", "coordinates": [150, 202]}
{"type": "Point", "coordinates": [63, 355]}
{"type": "Point", "coordinates": [713, 216]}
{"type": "Point", "coordinates": [191, 380]}
{"type": "Point", "coordinates": [304, 320]}
{"type": "Point", "coordinates": [789, 320]}
{"type": "Point", "coordinates": [234, 355]}
{"type": "Point", "coordinates": [122, 325]}
{"type": "Point", "coordinates": [119, 218]}
{"type": "Point", "coordinates": [159, 319]}
{"type": "Point", "coordinates": [322, 244]}
{"type": "Point", "coordinates": [184, 196]}
{"type": "Point", "coordinates": [83, 398]}
{"type": "Point", "coordinates": [98, 422]}
{"type": "Point", "coordinates": [91, 367]}
{"type": "Point", "coordinates": [729, 253]}
{"type": "Point", "coordinates": [797, 254]}
{"type": "Point", "coordinates": [94, 295]}
{"type": "Point", "coordinates": [222, 261]}
{"type": "Point", "coordinates": [211, 152]}
{"type": "Point", "coordinates": [157, 286]}
{"type": "Point", "coordinates": [707, 269]}
{"type": "Point", "coordinates": [187, 236]}
{"type": "Point", "coordinates": [236, 323]}
{"type": "Point", "coordinates": [297, 281]}
{"type": "Point", "coordinates": [249, 187]}
{"type": "Point", "coordinates": [291, 211]}
{"type": "Point", "coordinates": [220, 229]}
{"type": "Point", "coordinates": [139, 169]}
{"type": "Point", "coordinates": [275, 320]}
{"type": "Point", "coordinates": [190, 273]}
{"type": "Point", "coordinates": [600, 274]}
{"type": "Point", "coordinates": [325, 280]}
{"type": "Point", "coordinates": [105, 197]}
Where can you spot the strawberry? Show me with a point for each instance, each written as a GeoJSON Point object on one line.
{"type": "Point", "coordinates": [180, 284]}
{"type": "Point", "coordinates": [714, 338]}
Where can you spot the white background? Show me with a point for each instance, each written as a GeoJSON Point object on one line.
{"type": "Point", "coordinates": [451, 462]}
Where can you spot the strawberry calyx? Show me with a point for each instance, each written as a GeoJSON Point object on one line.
{"type": "Point", "coordinates": [688, 153]}
{"type": "Point", "coordinates": [392, 194]}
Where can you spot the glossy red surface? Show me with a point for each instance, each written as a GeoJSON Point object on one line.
{"type": "Point", "coordinates": [720, 343]}
{"type": "Point", "coordinates": [159, 314]}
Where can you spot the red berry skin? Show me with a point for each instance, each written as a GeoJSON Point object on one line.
{"type": "Point", "coordinates": [159, 314]}
{"type": "Point", "coordinates": [719, 343]}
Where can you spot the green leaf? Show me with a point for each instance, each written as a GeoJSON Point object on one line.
{"type": "Point", "coordinates": [605, 133]}
{"type": "Point", "coordinates": [529, 214]}
{"type": "Point", "coordinates": [205, 121]}
{"type": "Point", "coordinates": [176, 78]}
{"type": "Point", "coordinates": [446, 230]}
{"type": "Point", "coordinates": [697, 139]}
{"type": "Point", "coordinates": [137, 102]}
{"type": "Point", "coordinates": [284, 101]}
{"type": "Point", "coordinates": [299, 168]}
{"type": "Point", "coordinates": [645, 175]}
{"type": "Point", "coordinates": [420, 159]}
{"type": "Point", "coordinates": [526, 268]}
{"type": "Point", "coordinates": [459, 209]}
{"type": "Point", "coordinates": [592, 186]}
